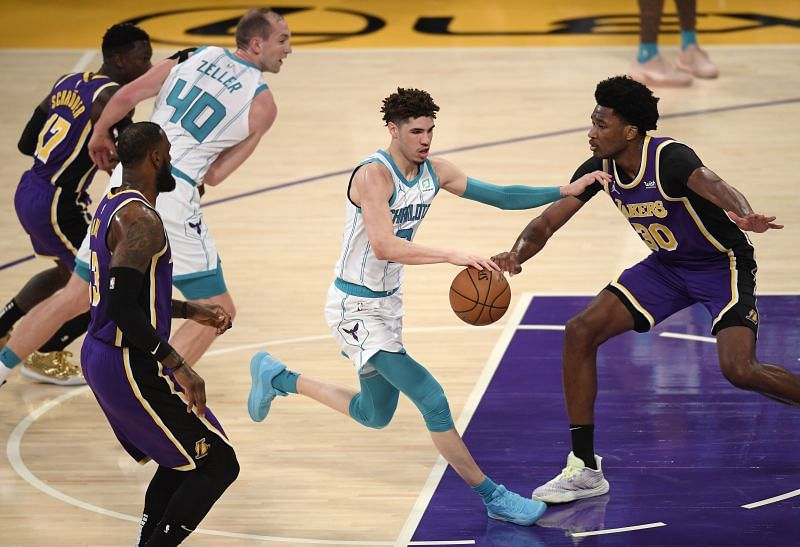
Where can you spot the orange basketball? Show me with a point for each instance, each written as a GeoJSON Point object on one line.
{"type": "Point", "coordinates": [479, 297]}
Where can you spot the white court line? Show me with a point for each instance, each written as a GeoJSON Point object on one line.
{"type": "Point", "coordinates": [84, 61]}
{"type": "Point", "coordinates": [14, 454]}
{"type": "Point", "coordinates": [317, 337]}
{"type": "Point", "coordinates": [776, 499]}
{"type": "Point", "coordinates": [692, 337]}
{"type": "Point", "coordinates": [541, 327]}
{"type": "Point", "coordinates": [463, 420]}
{"type": "Point", "coordinates": [618, 530]}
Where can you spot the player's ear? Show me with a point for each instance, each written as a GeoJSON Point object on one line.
{"type": "Point", "coordinates": [631, 131]}
{"type": "Point", "coordinates": [394, 131]}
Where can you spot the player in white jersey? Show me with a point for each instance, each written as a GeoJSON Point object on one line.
{"type": "Point", "coordinates": [389, 194]}
{"type": "Point", "coordinates": [214, 107]}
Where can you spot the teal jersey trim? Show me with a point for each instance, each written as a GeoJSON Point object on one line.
{"type": "Point", "coordinates": [510, 197]}
{"type": "Point", "coordinates": [242, 61]}
{"type": "Point", "coordinates": [259, 89]}
{"type": "Point", "coordinates": [397, 172]}
{"type": "Point", "coordinates": [360, 290]}
{"type": "Point", "coordinates": [180, 174]}
{"type": "Point", "coordinates": [433, 174]}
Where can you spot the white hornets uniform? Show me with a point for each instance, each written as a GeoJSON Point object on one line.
{"type": "Point", "coordinates": [365, 307]}
{"type": "Point", "coordinates": [203, 107]}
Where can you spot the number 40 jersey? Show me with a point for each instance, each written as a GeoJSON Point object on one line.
{"type": "Point", "coordinates": [203, 107]}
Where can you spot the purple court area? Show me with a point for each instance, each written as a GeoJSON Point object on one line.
{"type": "Point", "coordinates": [680, 445]}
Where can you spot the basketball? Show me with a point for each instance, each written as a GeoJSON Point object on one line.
{"type": "Point", "coordinates": [479, 297]}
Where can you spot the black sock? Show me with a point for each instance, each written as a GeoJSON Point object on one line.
{"type": "Point", "coordinates": [68, 332]}
{"type": "Point", "coordinates": [583, 443]}
{"type": "Point", "coordinates": [10, 314]}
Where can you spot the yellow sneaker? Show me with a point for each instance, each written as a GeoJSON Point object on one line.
{"type": "Point", "coordinates": [53, 368]}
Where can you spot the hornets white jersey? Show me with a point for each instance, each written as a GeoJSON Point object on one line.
{"type": "Point", "coordinates": [203, 107]}
{"type": "Point", "coordinates": [409, 204]}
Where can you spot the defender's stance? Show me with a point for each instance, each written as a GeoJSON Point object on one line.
{"type": "Point", "coordinates": [692, 221]}
{"type": "Point", "coordinates": [155, 403]}
{"type": "Point", "coordinates": [388, 195]}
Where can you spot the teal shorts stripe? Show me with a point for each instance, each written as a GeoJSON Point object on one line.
{"type": "Point", "coordinates": [201, 285]}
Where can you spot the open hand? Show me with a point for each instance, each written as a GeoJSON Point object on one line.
{"type": "Point", "coordinates": [578, 187]}
{"type": "Point", "coordinates": [754, 222]}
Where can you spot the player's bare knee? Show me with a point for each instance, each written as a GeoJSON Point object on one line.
{"type": "Point", "coordinates": [579, 332]}
{"type": "Point", "coordinates": [739, 371]}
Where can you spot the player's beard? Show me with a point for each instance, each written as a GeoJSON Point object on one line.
{"type": "Point", "coordinates": [165, 182]}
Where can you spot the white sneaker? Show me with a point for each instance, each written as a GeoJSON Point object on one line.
{"type": "Point", "coordinates": [696, 62]}
{"type": "Point", "coordinates": [576, 481]}
{"type": "Point", "coordinates": [658, 72]}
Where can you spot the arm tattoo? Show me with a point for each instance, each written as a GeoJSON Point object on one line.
{"type": "Point", "coordinates": [141, 238]}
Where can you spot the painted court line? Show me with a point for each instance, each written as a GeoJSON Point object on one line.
{"type": "Point", "coordinates": [775, 499]}
{"type": "Point", "coordinates": [14, 454]}
{"type": "Point", "coordinates": [692, 337]}
{"type": "Point", "coordinates": [618, 530]}
{"type": "Point", "coordinates": [435, 476]}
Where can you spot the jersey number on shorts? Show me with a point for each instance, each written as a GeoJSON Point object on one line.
{"type": "Point", "coordinates": [54, 131]}
{"type": "Point", "coordinates": [198, 111]}
{"type": "Point", "coordinates": [656, 236]}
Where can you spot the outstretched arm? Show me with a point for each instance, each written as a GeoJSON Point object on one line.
{"type": "Point", "coordinates": [536, 234]}
{"type": "Point", "coordinates": [706, 183]}
{"type": "Point", "coordinates": [513, 197]}
{"type": "Point", "coordinates": [371, 190]}
{"type": "Point", "coordinates": [136, 235]}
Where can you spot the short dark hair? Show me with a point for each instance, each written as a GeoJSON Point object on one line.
{"type": "Point", "coordinates": [408, 103]}
{"type": "Point", "coordinates": [256, 22]}
{"type": "Point", "coordinates": [137, 141]}
{"type": "Point", "coordinates": [630, 100]}
{"type": "Point", "coordinates": [122, 38]}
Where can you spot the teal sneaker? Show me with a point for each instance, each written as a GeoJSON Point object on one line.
{"type": "Point", "coordinates": [511, 507]}
{"type": "Point", "coordinates": [263, 368]}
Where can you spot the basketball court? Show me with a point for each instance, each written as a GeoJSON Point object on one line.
{"type": "Point", "coordinates": [691, 460]}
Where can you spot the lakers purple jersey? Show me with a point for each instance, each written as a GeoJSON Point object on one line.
{"type": "Point", "coordinates": [156, 295]}
{"type": "Point", "coordinates": [61, 156]}
{"type": "Point", "coordinates": [677, 224]}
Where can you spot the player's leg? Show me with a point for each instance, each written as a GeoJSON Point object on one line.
{"type": "Point", "coordinates": [650, 67]}
{"type": "Point", "coordinates": [642, 296]}
{"type": "Point", "coordinates": [692, 59]}
{"type": "Point", "coordinates": [36, 289]}
{"type": "Point", "coordinates": [417, 383]}
{"type": "Point", "coordinates": [193, 498]}
{"type": "Point", "coordinates": [736, 346]}
{"type": "Point", "coordinates": [142, 403]}
{"type": "Point", "coordinates": [41, 323]}
{"type": "Point", "coordinates": [191, 340]}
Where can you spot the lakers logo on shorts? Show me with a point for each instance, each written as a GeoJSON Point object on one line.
{"type": "Point", "coordinates": [752, 316]}
{"type": "Point", "coordinates": [201, 449]}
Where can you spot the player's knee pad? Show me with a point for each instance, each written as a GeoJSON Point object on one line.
{"type": "Point", "coordinates": [373, 414]}
{"type": "Point", "coordinates": [436, 410]}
